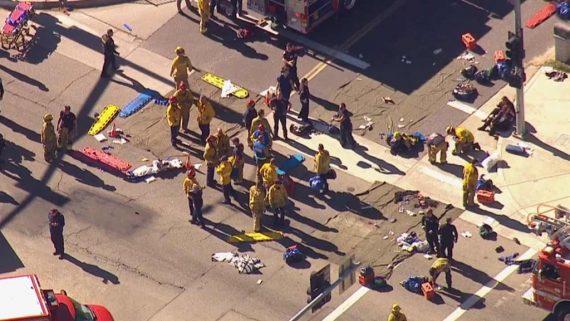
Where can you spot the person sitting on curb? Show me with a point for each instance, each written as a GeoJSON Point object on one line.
{"type": "Point", "coordinates": [501, 118]}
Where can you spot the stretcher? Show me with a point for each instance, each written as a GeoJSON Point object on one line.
{"type": "Point", "coordinates": [16, 27]}
{"type": "Point", "coordinates": [255, 237]}
{"type": "Point", "coordinates": [218, 82]}
{"type": "Point", "coordinates": [541, 16]}
{"type": "Point", "coordinates": [138, 103]}
{"type": "Point", "coordinates": [109, 160]}
{"type": "Point", "coordinates": [104, 119]}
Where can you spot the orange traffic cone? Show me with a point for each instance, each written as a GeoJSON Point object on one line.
{"type": "Point", "coordinates": [113, 131]}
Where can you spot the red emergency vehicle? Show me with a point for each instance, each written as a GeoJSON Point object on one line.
{"type": "Point", "coordinates": [22, 299]}
{"type": "Point", "coordinates": [550, 288]}
{"type": "Point", "coordinates": [300, 15]}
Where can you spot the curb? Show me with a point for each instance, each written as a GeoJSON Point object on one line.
{"type": "Point", "coordinates": [43, 5]}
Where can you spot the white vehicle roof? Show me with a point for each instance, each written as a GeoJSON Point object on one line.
{"type": "Point", "coordinates": [21, 298]}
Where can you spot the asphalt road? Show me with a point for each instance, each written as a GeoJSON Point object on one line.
{"type": "Point", "coordinates": [130, 245]}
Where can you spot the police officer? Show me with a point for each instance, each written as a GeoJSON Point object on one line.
{"type": "Point", "coordinates": [109, 52]}
{"type": "Point", "coordinates": [280, 107]}
{"type": "Point", "coordinates": [448, 237]}
{"type": "Point", "coordinates": [56, 224]}
{"type": "Point", "coordinates": [430, 224]}
{"type": "Point", "coordinates": [290, 60]}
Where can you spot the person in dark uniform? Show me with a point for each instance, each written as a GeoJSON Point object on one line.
{"type": "Point", "coordinates": [343, 118]}
{"type": "Point", "coordinates": [213, 5]}
{"type": "Point", "coordinates": [290, 59]}
{"type": "Point", "coordinates": [109, 50]}
{"type": "Point", "coordinates": [1, 90]}
{"type": "Point", "coordinates": [430, 224]}
{"type": "Point", "coordinates": [280, 107]}
{"type": "Point", "coordinates": [236, 8]}
{"type": "Point", "coordinates": [249, 114]}
{"type": "Point", "coordinates": [284, 84]}
{"type": "Point", "coordinates": [304, 96]}
{"type": "Point", "coordinates": [448, 237]}
{"type": "Point", "coordinates": [198, 202]}
{"type": "Point", "coordinates": [66, 128]}
{"type": "Point", "coordinates": [56, 224]}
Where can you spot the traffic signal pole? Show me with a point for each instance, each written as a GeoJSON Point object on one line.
{"type": "Point", "coordinates": [520, 119]}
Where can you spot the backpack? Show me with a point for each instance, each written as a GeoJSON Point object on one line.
{"type": "Point", "coordinates": [483, 76]}
{"type": "Point", "coordinates": [317, 183]}
{"type": "Point", "coordinates": [485, 231]}
{"type": "Point", "coordinates": [293, 254]}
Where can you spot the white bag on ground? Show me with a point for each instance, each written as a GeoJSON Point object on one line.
{"type": "Point", "coordinates": [491, 160]}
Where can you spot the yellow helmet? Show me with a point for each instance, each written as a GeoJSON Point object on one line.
{"type": "Point", "coordinates": [397, 135]}
{"type": "Point", "coordinates": [179, 50]}
{"type": "Point", "coordinates": [450, 130]}
{"type": "Point", "coordinates": [48, 117]}
{"type": "Point", "coordinates": [396, 307]}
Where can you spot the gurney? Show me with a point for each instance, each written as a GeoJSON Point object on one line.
{"type": "Point", "coordinates": [16, 27]}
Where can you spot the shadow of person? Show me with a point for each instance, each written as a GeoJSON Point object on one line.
{"type": "Point", "coordinates": [555, 151]}
{"type": "Point", "coordinates": [83, 176]}
{"type": "Point", "coordinates": [455, 294]}
{"type": "Point", "coordinates": [478, 276]}
{"type": "Point", "coordinates": [224, 232]}
{"type": "Point", "coordinates": [454, 169]}
{"type": "Point", "coordinates": [383, 166]}
{"type": "Point", "coordinates": [24, 78]}
{"type": "Point", "coordinates": [94, 270]}
{"type": "Point", "coordinates": [228, 38]}
{"type": "Point", "coordinates": [30, 134]}
{"type": "Point", "coordinates": [330, 106]}
{"type": "Point", "coordinates": [5, 198]}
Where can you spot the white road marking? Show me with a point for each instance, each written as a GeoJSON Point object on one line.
{"type": "Point", "coordinates": [347, 304]}
{"type": "Point", "coordinates": [487, 288]}
{"type": "Point", "coordinates": [467, 109]}
{"type": "Point", "coordinates": [444, 178]}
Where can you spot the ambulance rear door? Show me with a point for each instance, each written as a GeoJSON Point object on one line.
{"type": "Point", "coordinates": [296, 11]}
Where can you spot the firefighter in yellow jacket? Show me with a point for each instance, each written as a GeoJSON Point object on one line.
{"type": "Point", "coordinates": [211, 158]}
{"type": "Point", "coordinates": [189, 181]}
{"type": "Point", "coordinates": [181, 66]}
{"type": "Point", "coordinates": [278, 201]}
{"type": "Point", "coordinates": [257, 204]}
{"type": "Point", "coordinates": [204, 11]}
{"type": "Point", "coordinates": [470, 176]}
{"type": "Point", "coordinates": [323, 165]}
{"type": "Point", "coordinates": [396, 314]}
{"type": "Point", "coordinates": [205, 115]}
{"type": "Point", "coordinates": [173, 116]}
{"type": "Point", "coordinates": [223, 142]}
{"type": "Point", "coordinates": [224, 169]}
{"type": "Point", "coordinates": [259, 120]}
{"type": "Point", "coordinates": [185, 101]}
{"type": "Point", "coordinates": [464, 140]}
{"type": "Point", "coordinates": [49, 139]}
{"type": "Point", "coordinates": [440, 265]}
{"type": "Point", "coordinates": [269, 173]}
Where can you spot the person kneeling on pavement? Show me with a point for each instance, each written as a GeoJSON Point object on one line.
{"type": "Point", "coordinates": [401, 143]}
{"type": "Point", "coordinates": [440, 265]}
{"type": "Point", "coordinates": [464, 140]}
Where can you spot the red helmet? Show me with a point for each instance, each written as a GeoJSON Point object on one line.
{"type": "Point", "coordinates": [191, 171]}
{"type": "Point", "coordinates": [172, 100]}
{"type": "Point", "coordinates": [261, 127]}
{"type": "Point", "coordinates": [251, 103]}
{"type": "Point", "coordinates": [182, 86]}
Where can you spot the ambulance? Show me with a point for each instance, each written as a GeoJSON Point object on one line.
{"type": "Point", "coordinates": [22, 299]}
{"type": "Point", "coordinates": [300, 15]}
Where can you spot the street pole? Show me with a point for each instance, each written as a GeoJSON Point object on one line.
{"type": "Point", "coordinates": [520, 121]}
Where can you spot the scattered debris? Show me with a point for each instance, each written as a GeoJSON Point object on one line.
{"type": "Point", "coordinates": [150, 179]}
{"type": "Point", "coordinates": [128, 27]}
{"type": "Point", "coordinates": [402, 119]}
{"type": "Point", "coordinates": [100, 138]}
{"type": "Point", "coordinates": [243, 263]}
{"type": "Point", "coordinates": [499, 249]}
{"type": "Point", "coordinates": [120, 141]}
{"type": "Point", "coordinates": [259, 281]}
{"type": "Point", "coordinates": [466, 234]}
{"type": "Point", "coordinates": [144, 159]}
{"type": "Point", "coordinates": [387, 100]}
{"type": "Point", "coordinates": [437, 51]}
{"type": "Point", "coordinates": [510, 259]}
{"type": "Point", "coordinates": [393, 220]}
{"type": "Point", "coordinates": [555, 75]}
{"type": "Point", "coordinates": [410, 213]}
{"type": "Point", "coordinates": [385, 237]}
{"type": "Point", "coordinates": [467, 56]}
{"type": "Point", "coordinates": [428, 256]}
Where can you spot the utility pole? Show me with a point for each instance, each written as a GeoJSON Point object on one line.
{"type": "Point", "coordinates": [519, 63]}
